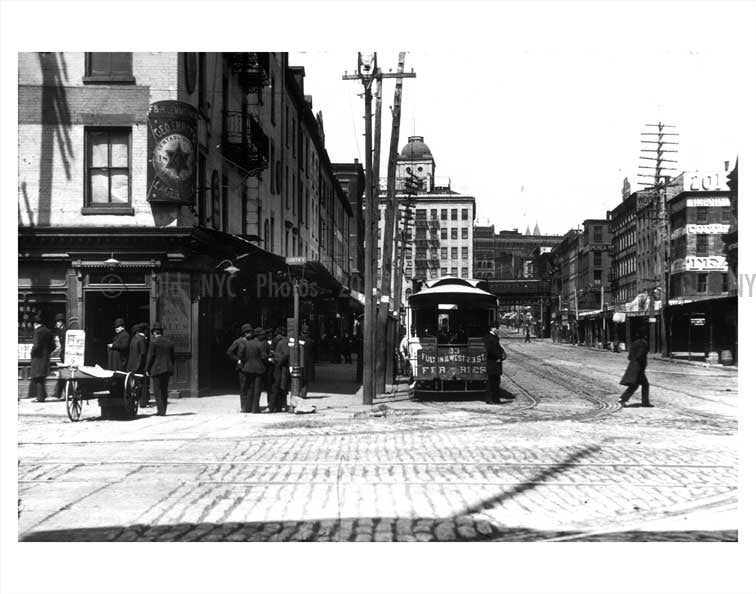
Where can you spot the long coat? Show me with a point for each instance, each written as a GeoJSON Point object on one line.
{"type": "Point", "coordinates": [118, 355]}
{"type": "Point", "coordinates": [494, 354]}
{"type": "Point", "coordinates": [308, 357]}
{"type": "Point", "coordinates": [281, 363]}
{"type": "Point", "coordinates": [236, 351]}
{"type": "Point", "coordinates": [137, 353]}
{"type": "Point", "coordinates": [256, 353]}
{"type": "Point", "coordinates": [160, 356]}
{"type": "Point", "coordinates": [636, 368]}
{"type": "Point", "coordinates": [42, 347]}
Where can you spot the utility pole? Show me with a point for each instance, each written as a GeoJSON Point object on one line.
{"type": "Point", "coordinates": [367, 72]}
{"type": "Point", "coordinates": [659, 140]}
{"type": "Point", "coordinates": [389, 225]}
{"type": "Point", "coordinates": [411, 185]}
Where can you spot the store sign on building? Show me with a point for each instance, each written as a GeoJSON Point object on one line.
{"type": "Point", "coordinates": [693, 202]}
{"type": "Point", "coordinates": [175, 309]}
{"type": "Point", "coordinates": [712, 229]}
{"type": "Point", "coordinates": [172, 145]}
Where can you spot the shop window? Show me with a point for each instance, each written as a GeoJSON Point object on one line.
{"type": "Point", "coordinates": [701, 284]}
{"type": "Point", "coordinates": [108, 162]}
{"type": "Point", "coordinates": [109, 67]}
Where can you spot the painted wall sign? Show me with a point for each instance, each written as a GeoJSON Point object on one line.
{"type": "Point", "coordinates": [712, 229]}
{"type": "Point", "coordinates": [704, 181]}
{"type": "Point", "coordinates": [75, 340]}
{"type": "Point", "coordinates": [172, 145]}
{"type": "Point", "coordinates": [700, 263]}
{"type": "Point", "coordinates": [691, 202]}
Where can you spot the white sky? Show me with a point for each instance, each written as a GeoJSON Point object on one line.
{"type": "Point", "coordinates": [556, 110]}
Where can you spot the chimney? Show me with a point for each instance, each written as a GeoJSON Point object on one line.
{"type": "Point", "coordinates": [727, 165]}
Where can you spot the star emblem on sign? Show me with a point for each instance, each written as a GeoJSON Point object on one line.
{"type": "Point", "coordinates": [177, 160]}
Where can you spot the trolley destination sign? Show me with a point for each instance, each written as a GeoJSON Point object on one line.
{"type": "Point", "coordinates": [447, 363]}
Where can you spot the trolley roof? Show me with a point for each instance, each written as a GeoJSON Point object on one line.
{"type": "Point", "coordinates": [450, 290]}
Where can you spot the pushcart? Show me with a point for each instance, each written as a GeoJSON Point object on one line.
{"type": "Point", "coordinates": [115, 390]}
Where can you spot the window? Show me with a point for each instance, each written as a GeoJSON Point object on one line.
{"type": "Point", "coordinates": [465, 253]}
{"type": "Point", "coordinates": [702, 244]}
{"type": "Point", "coordinates": [454, 271]}
{"type": "Point", "coordinates": [725, 214]}
{"type": "Point", "coordinates": [453, 214]}
{"type": "Point", "coordinates": [378, 253]}
{"type": "Point", "coordinates": [454, 253]}
{"type": "Point", "coordinates": [596, 276]}
{"type": "Point", "coordinates": [464, 272]}
{"type": "Point", "coordinates": [444, 233]}
{"type": "Point", "coordinates": [444, 253]}
{"type": "Point", "coordinates": [434, 213]}
{"type": "Point", "coordinates": [464, 214]}
{"type": "Point", "coordinates": [434, 273]}
{"type": "Point", "coordinates": [454, 233]}
{"type": "Point", "coordinates": [598, 234]}
{"type": "Point", "coordinates": [702, 215]}
{"type": "Point", "coordinates": [701, 286]}
{"type": "Point", "coordinates": [421, 214]}
{"type": "Point", "coordinates": [444, 271]}
{"type": "Point", "coordinates": [434, 254]}
{"type": "Point", "coordinates": [409, 234]}
{"type": "Point", "coordinates": [597, 258]}
{"type": "Point", "coordinates": [443, 214]}
{"type": "Point", "coordinates": [109, 67]}
{"type": "Point", "coordinates": [725, 282]}
{"type": "Point", "coordinates": [108, 160]}
{"type": "Point", "coordinates": [434, 233]}
{"type": "Point", "coordinates": [464, 233]}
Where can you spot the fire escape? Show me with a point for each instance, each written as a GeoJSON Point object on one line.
{"type": "Point", "coordinates": [244, 141]}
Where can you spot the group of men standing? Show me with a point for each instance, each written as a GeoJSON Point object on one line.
{"type": "Point", "coordinates": [262, 360]}
{"type": "Point", "coordinates": [133, 352]}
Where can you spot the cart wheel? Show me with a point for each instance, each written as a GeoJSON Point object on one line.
{"type": "Point", "coordinates": [73, 400]}
{"type": "Point", "coordinates": [131, 395]}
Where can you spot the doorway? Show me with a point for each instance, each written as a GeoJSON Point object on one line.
{"type": "Point", "coordinates": [101, 311]}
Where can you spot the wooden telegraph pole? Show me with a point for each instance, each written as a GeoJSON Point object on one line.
{"type": "Point", "coordinates": [367, 72]}
{"type": "Point", "coordinates": [389, 227]}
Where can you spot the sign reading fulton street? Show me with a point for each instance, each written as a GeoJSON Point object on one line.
{"type": "Point", "coordinates": [172, 148]}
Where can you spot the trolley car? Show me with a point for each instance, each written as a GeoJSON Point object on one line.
{"type": "Point", "coordinates": [447, 323]}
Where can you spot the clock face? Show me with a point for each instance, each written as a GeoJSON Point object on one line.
{"type": "Point", "coordinates": [173, 158]}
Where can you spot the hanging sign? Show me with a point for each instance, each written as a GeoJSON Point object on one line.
{"type": "Point", "coordinates": [172, 145]}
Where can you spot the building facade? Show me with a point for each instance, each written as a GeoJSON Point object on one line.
{"type": "Point", "coordinates": [144, 178]}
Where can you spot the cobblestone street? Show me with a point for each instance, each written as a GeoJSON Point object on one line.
{"type": "Point", "coordinates": [559, 461]}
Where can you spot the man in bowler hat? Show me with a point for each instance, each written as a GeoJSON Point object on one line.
{"type": "Point", "coordinates": [137, 359]}
{"type": "Point", "coordinates": [256, 354]}
{"type": "Point", "coordinates": [635, 374]}
{"type": "Point", "coordinates": [42, 347]}
{"type": "Point", "coordinates": [159, 366]}
{"type": "Point", "coordinates": [236, 353]}
{"type": "Point", "coordinates": [118, 349]}
{"type": "Point", "coordinates": [494, 356]}
{"type": "Point", "coordinates": [277, 401]}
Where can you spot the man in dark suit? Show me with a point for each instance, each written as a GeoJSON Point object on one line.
{"type": "Point", "coordinates": [60, 338]}
{"type": "Point", "coordinates": [256, 353]}
{"type": "Point", "coordinates": [494, 356]}
{"type": "Point", "coordinates": [277, 402]}
{"type": "Point", "coordinates": [42, 347]}
{"type": "Point", "coordinates": [118, 349]}
{"type": "Point", "coordinates": [635, 374]}
{"type": "Point", "coordinates": [307, 362]}
{"type": "Point", "coordinates": [236, 353]}
{"type": "Point", "coordinates": [159, 366]}
{"type": "Point", "coordinates": [137, 358]}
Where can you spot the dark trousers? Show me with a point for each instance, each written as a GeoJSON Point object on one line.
{"type": "Point", "coordinates": [37, 388]}
{"type": "Point", "coordinates": [251, 392]}
{"type": "Point", "coordinates": [643, 383]}
{"type": "Point", "coordinates": [492, 394]}
{"type": "Point", "coordinates": [60, 386]}
{"type": "Point", "coordinates": [144, 395]}
{"type": "Point", "coordinates": [527, 337]}
{"type": "Point", "coordinates": [160, 387]}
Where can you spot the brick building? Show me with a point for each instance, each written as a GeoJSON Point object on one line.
{"type": "Point", "coordinates": [146, 179]}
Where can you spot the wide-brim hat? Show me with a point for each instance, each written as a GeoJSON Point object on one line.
{"type": "Point", "coordinates": [37, 318]}
{"type": "Point", "coordinates": [259, 331]}
{"type": "Point", "coordinates": [142, 327]}
{"type": "Point", "coordinates": [119, 322]}
{"type": "Point", "coordinates": [60, 317]}
{"type": "Point", "coordinates": [246, 328]}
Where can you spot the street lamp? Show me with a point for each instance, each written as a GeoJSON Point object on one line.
{"type": "Point", "coordinates": [230, 269]}
{"type": "Point", "coordinates": [111, 261]}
